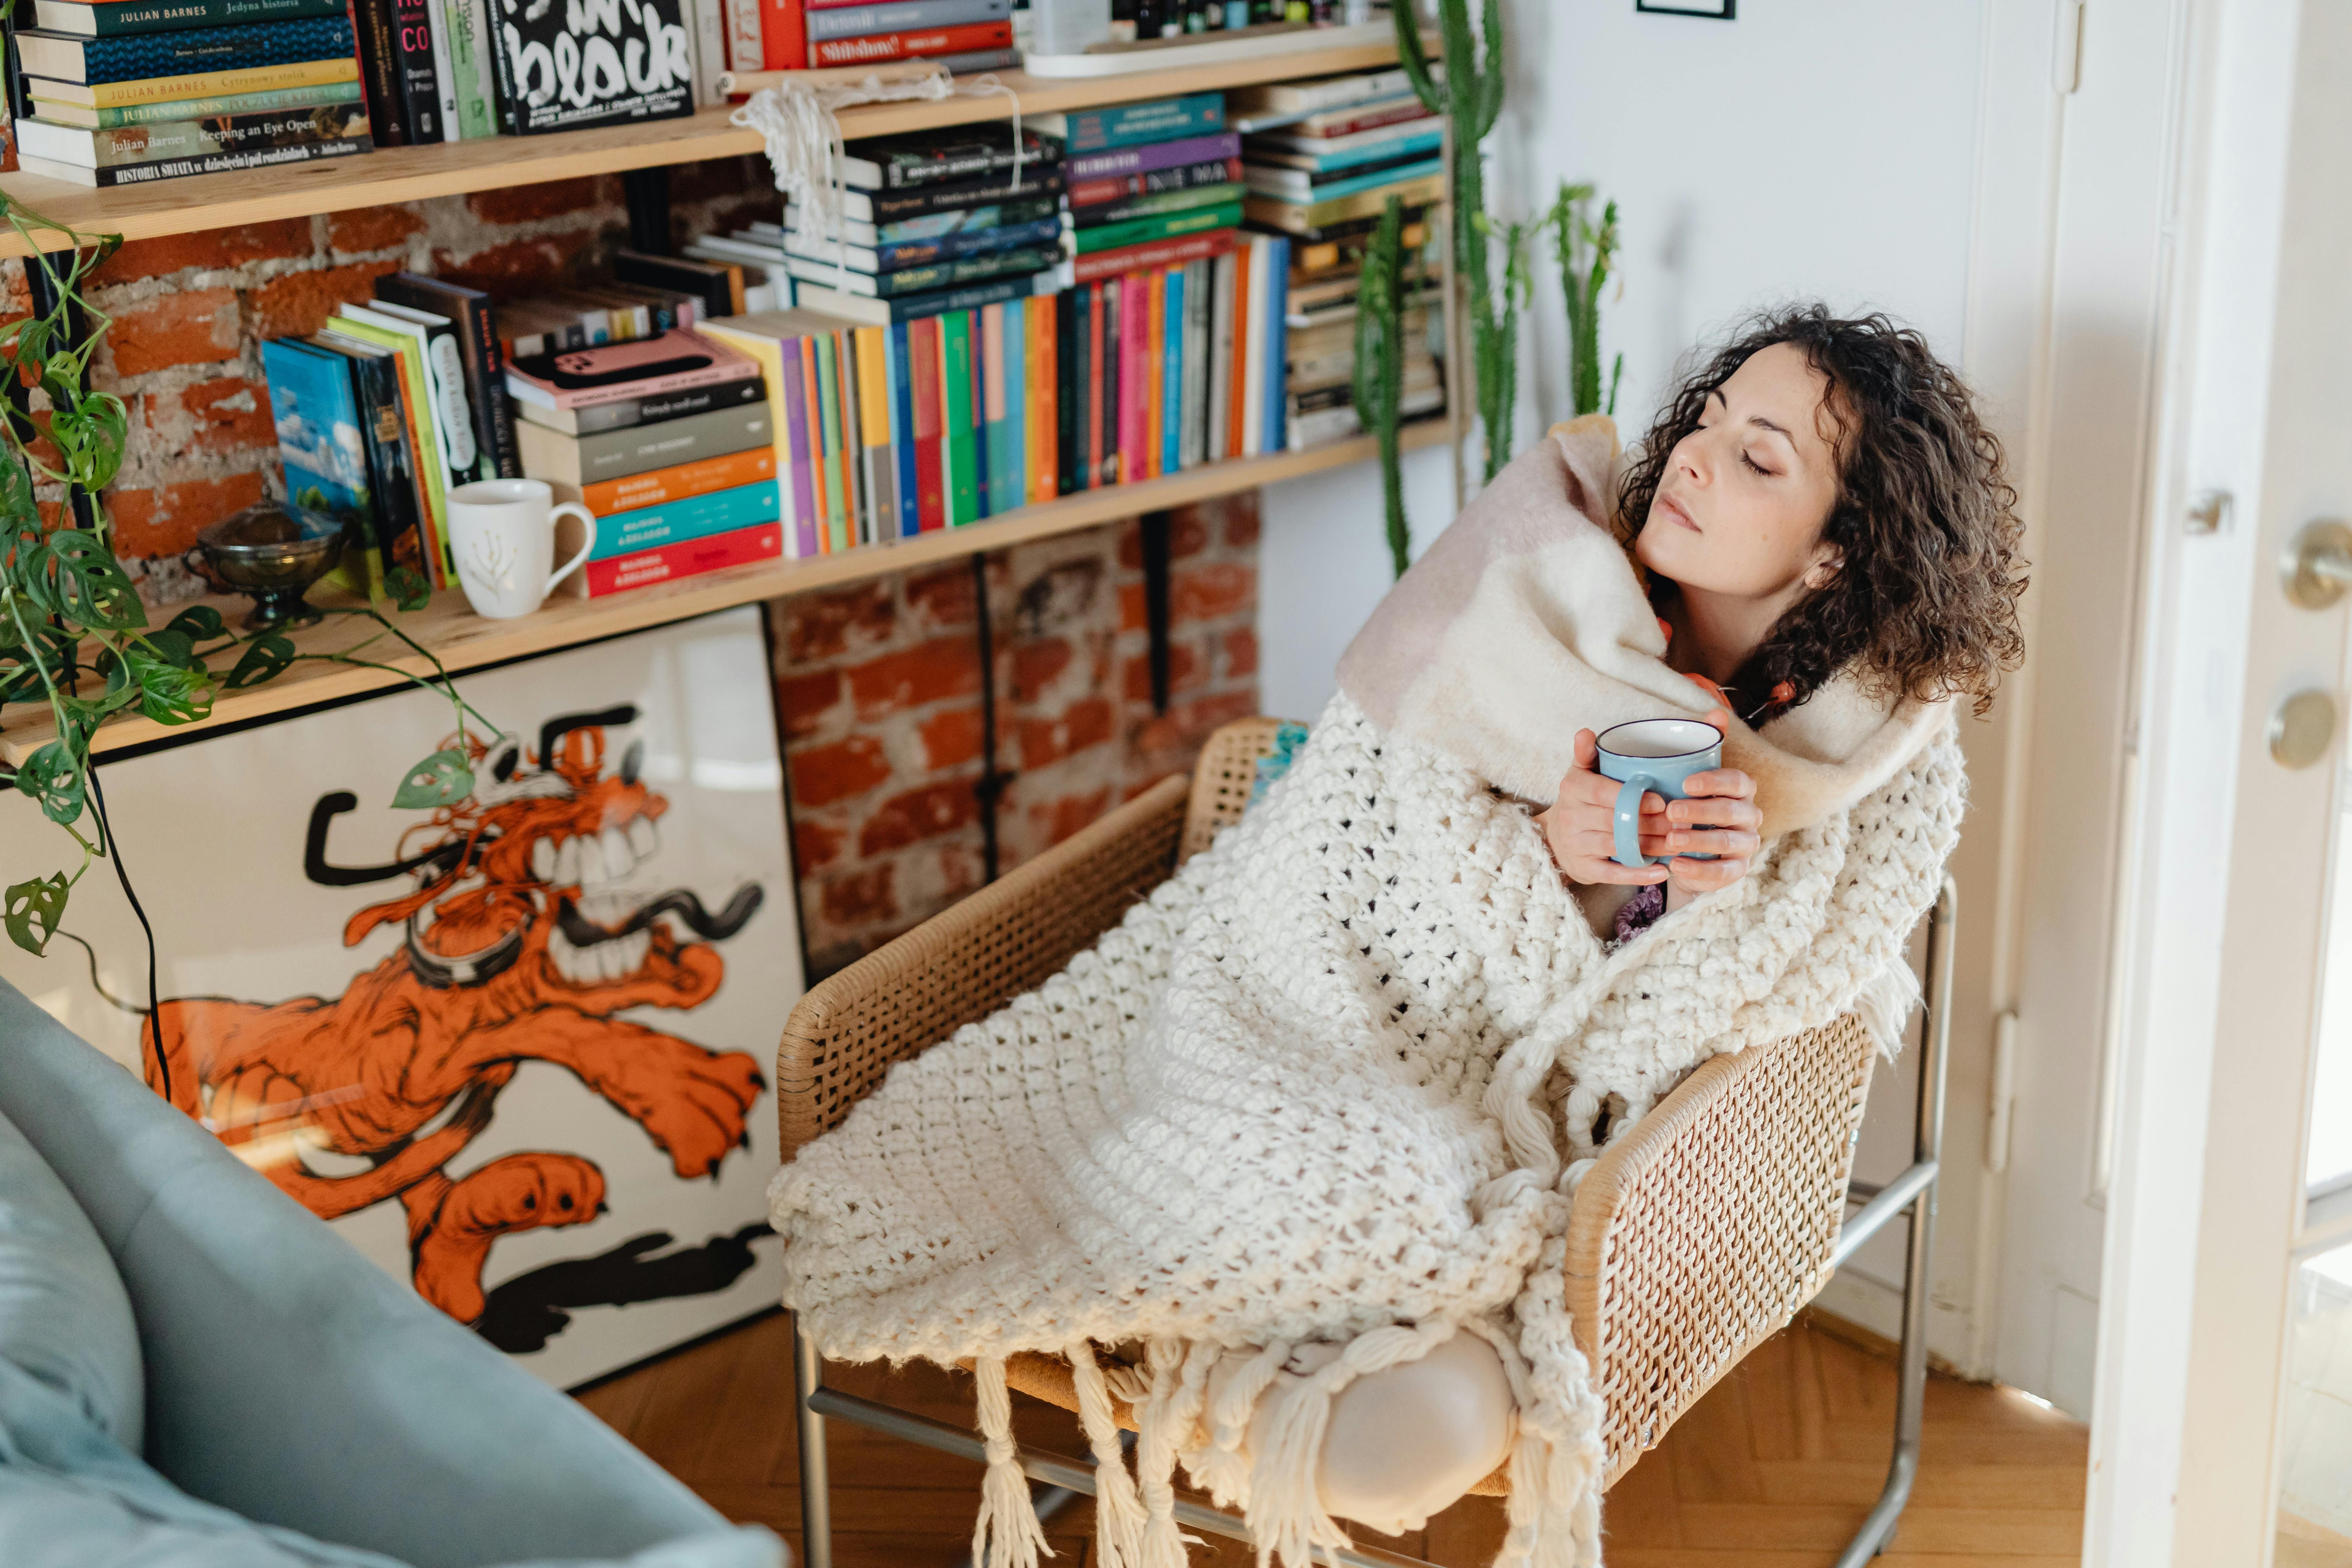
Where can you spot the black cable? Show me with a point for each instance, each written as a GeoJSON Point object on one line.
{"type": "Point", "coordinates": [122, 874]}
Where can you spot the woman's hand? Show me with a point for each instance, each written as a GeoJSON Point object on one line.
{"type": "Point", "coordinates": [1721, 818]}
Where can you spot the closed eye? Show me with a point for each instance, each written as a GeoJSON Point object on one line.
{"type": "Point", "coordinates": [1753, 464]}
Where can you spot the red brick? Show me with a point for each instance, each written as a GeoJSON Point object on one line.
{"type": "Point", "coordinates": [960, 872]}
{"type": "Point", "coordinates": [1240, 652]}
{"type": "Point", "coordinates": [815, 846]}
{"type": "Point", "coordinates": [164, 521]}
{"type": "Point", "coordinates": [1186, 724]}
{"type": "Point", "coordinates": [804, 699]}
{"type": "Point", "coordinates": [864, 897]}
{"type": "Point", "coordinates": [373, 229]}
{"type": "Point", "coordinates": [951, 737]}
{"type": "Point", "coordinates": [1185, 670]}
{"type": "Point", "coordinates": [823, 774]}
{"type": "Point", "coordinates": [1187, 535]}
{"type": "Point", "coordinates": [210, 247]}
{"type": "Point", "coordinates": [912, 677]}
{"type": "Point", "coordinates": [1063, 817]}
{"type": "Point", "coordinates": [1208, 592]}
{"type": "Point", "coordinates": [530, 204]}
{"type": "Point", "coordinates": [944, 599]}
{"type": "Point", "coordinates": [918, 814]}
{"type": "Point", "coordinates": [301, 301]}
{"type": "Point", "coordinates": [231, 414]}
{"type": "Point", "coordinates": [504, 272]}
{"type": "Point", "coordinates": [1133, 614]}
{"type": "Point", "coordinates": [1036, 665]}
{"type": "Point", "coordinates": [826, 625]}
{"type": "Point", "coordinates": [197, 326]}
{"type": "Point", "coordinates": [1045, 741]}
{"type": "Point", "coordinates": [1241, 521]}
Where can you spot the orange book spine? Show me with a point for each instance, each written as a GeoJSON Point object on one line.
{"type": "Point", "coordinates": [814, 402]}
{"type": "Point", "coordinates": [666, 485]}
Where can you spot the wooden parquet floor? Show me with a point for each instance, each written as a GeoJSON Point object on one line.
{"type": "Point", "coordinates": [1774, 1468]}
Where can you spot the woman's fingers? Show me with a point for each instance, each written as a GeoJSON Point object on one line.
{"type": "Point", "coordinates": [1722, 783]}
{"type": "Point", "coordinates": [1589, 870]}
{"type": "Point", "coordinates": [1588, 748]}
{"type": "Point", "coordinates": [1704, 841]}
{"type": "Point", "coordinates": [1706, 876]}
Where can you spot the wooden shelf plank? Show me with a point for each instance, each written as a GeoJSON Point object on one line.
{"type": "Point", "coordinates": [412, 173]}
{"type": "Point", "coordinates": [462, 640]}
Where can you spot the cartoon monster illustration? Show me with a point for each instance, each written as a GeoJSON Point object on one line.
{"type": "Point", "coordinates": [522, 943]}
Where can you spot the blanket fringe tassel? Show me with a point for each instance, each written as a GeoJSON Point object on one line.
{"type": "Point", "coordinates": [1007, 1525]}
{"type": "Point", "coordinates": [1118, 1512]}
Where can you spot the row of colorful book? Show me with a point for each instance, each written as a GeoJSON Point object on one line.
{"type": "Point", "coordinates": [1321, 159]}
{"type": "Point", "coordinates": [117, 92]}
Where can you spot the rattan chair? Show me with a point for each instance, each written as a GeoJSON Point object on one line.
{"type": "Point", "coordinates": [1695, 1237]}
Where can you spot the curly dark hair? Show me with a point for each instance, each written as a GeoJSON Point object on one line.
{"type": "Point", "coordinates": [1926, 604]}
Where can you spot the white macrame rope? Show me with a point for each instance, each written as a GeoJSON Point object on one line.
{"type": "Point", "coordinates": [805, 147]}
{"type": "Point", "coordinates": [1006, 1534]}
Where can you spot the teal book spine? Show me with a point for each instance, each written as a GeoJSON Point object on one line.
{"type": "Point", "coordinates": [955, 382]}
{"type": "Point", "coordinates": [1172, 375]}
{"type": "Point", "coordinates": [198, 51]}
{"type": "Point", "coordinates": [1013, 477]}
{"type": "Point", "coordinates": [698, 517]}
{"type": "Point", "coordinates": [1134, 124]}
{"type": "Point", "coordinates": [125, 18]}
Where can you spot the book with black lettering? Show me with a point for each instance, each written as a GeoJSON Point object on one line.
{"type": "Point", "coordinates": [924, 158]}
{"type": "Point", "coordinates": [197, 138]}
{"type": "Point", "coordinates": [896, 207]}
{"type": "Point", "coordinates": [654, 408]}
{"type": "Point", "coordinates": [536, 40]}
{"type": "Point", "coordinates": [378, 53]}
{"type": "Point", "coordinates": [414, 72]}
{"type": "Point", "coordinates": [383, 430]}
{"type": "Point", "coordinates": [718, 287]}
{"type": "Point", "coordinates": [177, 168]}
{"type": "Point", "coordinates": [1067, 313]}
{"type": "Point", "coordinates": [486, 371]}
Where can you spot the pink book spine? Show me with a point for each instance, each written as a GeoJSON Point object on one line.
{"type": "Point", "coordinates": [1134, 365]}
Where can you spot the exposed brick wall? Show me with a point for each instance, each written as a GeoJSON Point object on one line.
{"type": "Point", "coordinates": [190, 312]}
{"type": "Point", "coordinates": [878, 686]}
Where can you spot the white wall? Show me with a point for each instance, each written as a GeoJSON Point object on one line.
{"type": "Point", "coordinates": [1824, 148]}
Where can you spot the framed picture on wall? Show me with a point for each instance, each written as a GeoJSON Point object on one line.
{"type": "Point", "coordinates": [516, 1049]}
{"type": "Point", "coordinates": [1720, 10]}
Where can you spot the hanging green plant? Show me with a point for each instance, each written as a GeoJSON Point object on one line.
{"type": "Point", "coordinates": [1585, 250]}
{"type": "Point", "coordinates": [73, 631]}
{"type": "Point", "coordinates": [1471, 98]}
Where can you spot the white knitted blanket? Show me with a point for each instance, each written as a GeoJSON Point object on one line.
{"type": "Point", "coordinates": [1334, 1081]}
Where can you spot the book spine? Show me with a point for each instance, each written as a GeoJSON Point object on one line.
{"type": "Point", "coordinates": [112, 20]}
{"type": "Point", "coordinates": [1244, 302]}
{"type": "Point", "coordinates": [445, 73]}
{"type": "Point", "coordinates": [691, 557]}
{"type": "Point", "coordinates": [204, 138]}
{"type": "Point", "coordinates": [1159, 155]}
{"type": "Point", "coordinates": [783, 36]}
{"type": "Point", "coordinates": [503, 43]}
{"type": "Point", "coordinates": [792, 437]}
{"type": "Point", "coordinates": [908, 16]}
{"type": "Point", "coordinates": [1134, 360]}
{"type": "Point", "coordinates": [829, 437]}
{"type": "Point", "coordinates": [179, 109]}
{"type": "Point", "coordinates": [1126, 209]}
{"type": "Point", "coordinates": [224, 162]}
{"type": "Point", "coordinates": [1221, 355]}
{"type": "Point", "coordinates": [1167, 309]}
{"type": "Point", "coordinates": [955, 377]}
{"type": "Point", "coordinates": [902, 432]}
{"type": "Point", "coordinates": [893, 255]}
{"type": "Point", "coordinates": [1013, 475]}
{"type": "Point", "coordinates": [143, 56]}
{"type": "Point", "coordinates": [420, 94]}
{"type": "Point", "coordinates": [1106, 130]}
{"type": "Point", "coordinates": [1332, 124]}
{"type": "Point", "coordinates": [923, 381]}
{"type": "Point", "coordinates": [1104, 264]}
{"type": "Point", "coordinates": [746, 46]}
{"type": "Point", "coordinates": [493, 412]}
{"type": "Point", "coordinates": [979, 419]}
{"type": "Point", "coordinates": [878, 48]}
{"type": "Point", "coordinates": [990, 414]}
{"type": "Point", "coordinates": [1045, 404]}
{"type": "Point", "coordinates": [1188, 381]}
{"type": "Point", "coordinates": [379, 56]}
{"type": "Point", "coordinates": [683, 481]}
{"type": "Point", "coordinates": [400, 534]}
{"type": "Point", "coordinates": [708, 23]}
{"type": "Point", "coordinates": [1070, 309]}
{"type": "Point", "coordinates": [651, 527]}
{"type": "Point", "coordinates": [1165, 226]}
{"type": "Point", "coordinates": [1086, 193]}
{"type": "Point", "coordinates": [813, 422]}
{"type": "Point", "coordinates": [472, 98]}
{"type": "Point", "coordinates": [874, 403]}
{"type": "Point", "coordinates": [177, 90]}
{"type": "Point", "coordinates": [1107, 372]}
{"type": "Point", "coordinates": [1277, 330]}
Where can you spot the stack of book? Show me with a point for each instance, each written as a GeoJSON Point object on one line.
{"type": "Point", "coordinates": [931, 222]}
{"type": "Point", "coordinates": [382, 413]}
{"type": "Point", "coordinates": [794, 35]}
{"type": "Point", "coordinates": [669, 440]}
{"type": "Point", "coordinates": [1180, 307]}
{"type": "Point", "coordinates": [117, 92]}
{"type": "Point", "coordinates": [1321, 159]}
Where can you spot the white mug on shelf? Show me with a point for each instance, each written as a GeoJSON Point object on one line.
{"type": "Point", "coordinates": [502, 532]}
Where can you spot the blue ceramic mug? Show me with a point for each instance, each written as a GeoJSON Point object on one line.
{"type": "Point", "coordinates": [1654, 756]}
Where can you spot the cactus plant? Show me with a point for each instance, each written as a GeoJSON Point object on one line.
{"type": "Point", "coordinates": [1471, 97]}
{"type": "Point", "coordinates": [1380, 365]}
{"type": "Point", "coordinates": [1585, 250]}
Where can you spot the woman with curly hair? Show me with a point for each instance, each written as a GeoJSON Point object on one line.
{"type": "Point", "coordinates": [1285, 1161]}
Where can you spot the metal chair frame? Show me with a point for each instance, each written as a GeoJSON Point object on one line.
{"type": "Point", "coordinates": [1912, 1193]}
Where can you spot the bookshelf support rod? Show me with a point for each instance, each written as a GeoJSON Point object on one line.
{"type": "Point", "coordinates": [646, 191]}
{"type": "Point", "coordinates": [990, 786]}
{"type": "Point", "coordinates": [1155, 530]}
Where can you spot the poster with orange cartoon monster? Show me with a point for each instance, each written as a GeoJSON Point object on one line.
{"type": "Point", "coordinates": [516, 1047]}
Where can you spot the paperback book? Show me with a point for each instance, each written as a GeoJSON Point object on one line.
{"type": "Point", "coordinates": [114, 18]}
{"type": "Point", "coordinates": [64, 57]}
{"type": "Point", "coordinates": [177, 168]}
{"type": "Point", "coordinates": [590, 62]}
{"type": "Point", "coordinates": [327, 97]}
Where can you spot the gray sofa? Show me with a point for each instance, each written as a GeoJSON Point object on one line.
{"type": "Point", "coordinates": [290, 1380]}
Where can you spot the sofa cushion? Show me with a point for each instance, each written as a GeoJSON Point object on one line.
{"type": "Point", "coordinates": [65, 1318]}
{"type": "Point", "coordinates": [71, 1496]}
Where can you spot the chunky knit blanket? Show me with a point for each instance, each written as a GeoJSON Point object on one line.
{"type": "Point", "coordinates": [1335, 1082]}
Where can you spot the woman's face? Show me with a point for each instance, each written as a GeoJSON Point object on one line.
{"type": "Point", "coordinates": [1740, 508]}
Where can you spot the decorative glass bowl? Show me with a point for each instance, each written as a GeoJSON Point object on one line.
{"type": "Point", "coordinates": [273, 550]}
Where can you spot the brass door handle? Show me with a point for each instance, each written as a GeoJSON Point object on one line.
{"type": "Point", "coordinates": [2317, 566]}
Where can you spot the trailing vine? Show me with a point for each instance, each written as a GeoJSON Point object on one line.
{"type": "Point", "coordinates": [73, 631]}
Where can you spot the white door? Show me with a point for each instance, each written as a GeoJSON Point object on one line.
{"type": "Point", "coordinates": [2222, 1432]}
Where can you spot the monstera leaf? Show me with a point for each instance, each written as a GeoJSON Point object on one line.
{"type": "Point", "coordinates": [408, 588]}
{"type": "Point", "coordinates": [198, 623]}
{"type": "Point", "coordinates": [264, 659]}
{"type": "Point", "coordinates": [89, 432]}
{"type": "Point", "coordinates": [31, 911]}
{"type": "Point", "coordinates": [444, 778]}
{"type": "Point", "coordinates": [169, 692]}
{"type": "Point", "coordinates": [55, 779]}
{"type": "Point", "coordinates": [75, 574]}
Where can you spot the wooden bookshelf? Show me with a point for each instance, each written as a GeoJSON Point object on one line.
{"type": "Point", "coordinates": [411, 174]}
{"type": "Point", "coordinates": [464, 640]}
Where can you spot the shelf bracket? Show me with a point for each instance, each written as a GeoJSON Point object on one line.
{"type": "Point", "coordinates": [990, 786]}
{"type": "Point", "coordinates": [1155, 529]}
{"type": "Point", "coordinates": [646, 191]}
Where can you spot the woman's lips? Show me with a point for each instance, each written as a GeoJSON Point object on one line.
{"type": "Point", "coordinates": [1674, 509]}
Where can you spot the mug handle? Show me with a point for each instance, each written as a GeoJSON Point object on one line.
{"type": "Point", "coordinates": [1629, 819]}
{"type": "Point", "coordinates": [573, 564]}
